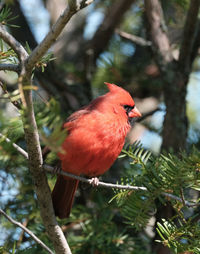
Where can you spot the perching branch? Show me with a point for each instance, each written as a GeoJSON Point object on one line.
{"type": "Point", "coordinates": [18, 224]}
{"type": "Point", "coordinates": [116, 186]}
{"type": "Point", "coordinates": [51, 170]}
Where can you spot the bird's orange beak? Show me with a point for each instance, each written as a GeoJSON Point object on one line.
{"type": "Point", "coordinates": [134, 113]}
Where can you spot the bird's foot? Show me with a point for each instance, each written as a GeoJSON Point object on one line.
{"type": "Point", "coordinates": [94, 181]}
{"type": "Point", "coordinates": [56, 170]}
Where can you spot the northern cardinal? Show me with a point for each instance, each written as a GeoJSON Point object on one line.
{"type": "Point", "coordinates": [96, 135]}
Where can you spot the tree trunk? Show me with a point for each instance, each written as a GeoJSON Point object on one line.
{"type": "Point", "coordinates": [175, 123]}
{"type": "Point", "coordinates": [175, 78]}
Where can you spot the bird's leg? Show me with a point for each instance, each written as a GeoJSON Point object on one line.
{"type": "Point", "coordinates": [56, 169]}
{"type": "Point", "coordinates": [94, 181]}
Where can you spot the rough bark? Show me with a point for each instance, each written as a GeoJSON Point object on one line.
{"type": "Point", "coordinates": [53, 80]}
{"type": "Point", "coordinates": [27, 64]}
{"type": "Point", "coordinates": [175, 78]}
{"type": "Point", "coordinates": [175, 73]}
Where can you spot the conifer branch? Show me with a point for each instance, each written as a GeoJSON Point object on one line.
{"type": "Point", "coordinates": [32, 235]}
{"type": "Point", "coordinates": [52, 170]}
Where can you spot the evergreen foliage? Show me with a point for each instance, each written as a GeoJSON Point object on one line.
{"type": "Point", "coordinates": [97, 228]}
{"type": "Point", "coordinates": [96, 225]}
{"type": "Point", "coordinates": [177, 175]}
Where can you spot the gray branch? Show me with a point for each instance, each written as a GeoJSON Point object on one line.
{"type": "Point", "coordinates": [18, 224]}
{"type": "Point", "coordinates": [27, 64]}
{"type": "Point", "coordinates": [10, 67]}
{"type": "Point", "coordinates": [55, 31]}
{"type": "Point", "coordinates": [13, 43]}
{"type": "Point", "coordinates": [18, 148]}
{"type": "Point", "coordinates": [116, 186]}
{"type": "Point", "coordinates": [51, 170]}
{"type": "Point", "coordinates": [133, 38]}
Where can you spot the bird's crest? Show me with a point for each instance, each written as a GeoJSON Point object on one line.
{"type": "Point", "coordinates": [120, 94]}
{"type": "Point", "coordinates": [112, 87]}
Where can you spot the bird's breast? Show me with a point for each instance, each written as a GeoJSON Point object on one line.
{"type": "Point", "coordinates": [93, 149]}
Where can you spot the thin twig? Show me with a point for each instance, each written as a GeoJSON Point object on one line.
{"type": "Point", "coordinates": [18, 224]}
{"type": "Point", "coordinates": [14, 102]}
{"type": "Point", "coordinates": [115, 186]}
{"type": "Point", "coordinates": [135, 39]}
{"type": "Point", "coordinates": [13, 43]}
{"type": "Point", "coordinates": [55, 31]}
{"type": "Point", "coordinates": [18, 148]}
{"type": "Point", "coordinates": [86, 180]}
{"type": "Point", "coordinates": [51, 170]}
{"type": "Point", "coordinates": [150, 113]}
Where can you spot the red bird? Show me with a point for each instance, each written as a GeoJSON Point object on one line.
{"type": "Point", "coordinates": [96, 135]}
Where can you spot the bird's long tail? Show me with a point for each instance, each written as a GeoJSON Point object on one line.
{"type": "Point", "coordinates": [63, 196]}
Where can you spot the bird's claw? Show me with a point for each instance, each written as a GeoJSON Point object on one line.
{"type": "Point", "coordinates": [94, 181]}
{"type": "Point", "coordinates": [56, 170]}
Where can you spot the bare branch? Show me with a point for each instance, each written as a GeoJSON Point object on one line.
{"type": "Point", "coordinates": [150, 113]}
{"type": "Point", "coordinates": [55, 31]}
{"type": "Point", "coordinates": [115, 186]}
{"type": "Point", "coordinates": [13, 43]}
{"type": "Point", "coordinates": [39, 176]}
{"type": "Point", "coordinates": [51, 170]}
{"type": "Point", "coordinates": [105, 31]}
{"type": "Point", "coordinates": [18, 224]}
{"type": "Point", "coordinates": [32, 137]}
{"type": "Point", "coordinates": [189, 33]}
{"type": "Point", "coordinates": [133, 38]}
{"type": "Point", "coordinates": [10, 67]}
{"type": "Point", "coordinates": [30, 127]}
{"type": "Point", "coordinates": [18, 148]}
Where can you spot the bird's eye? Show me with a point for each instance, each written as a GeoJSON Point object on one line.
{"type": "Point", "coordinates": [128, 108]}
